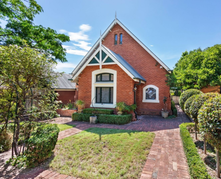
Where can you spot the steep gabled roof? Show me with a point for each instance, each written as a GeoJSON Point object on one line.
{"type": "Point", "coordinates": [96, 45]}
{"type": "Point", "coordinates": [63, 82]}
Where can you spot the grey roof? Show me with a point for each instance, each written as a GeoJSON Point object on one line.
{"type": "Point", "coordinates": [126, 65]}
{"type": "Point", "coordinates": [63, 82]}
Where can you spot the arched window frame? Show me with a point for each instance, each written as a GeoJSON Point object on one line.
{"type": "Point", "coordinates": [150, 100]}
{"type": "Point", "coordinates": [103, 84]}
{"type": "Point", "coordinates": [115, 39]}
{"type": "Point", "coordinates": [121, 38]}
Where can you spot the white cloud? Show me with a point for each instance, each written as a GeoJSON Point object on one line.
{"type": "Point", "coordinates": [83, 45]}
{"type": "Point", "coordinates": [151, 45]}
{"type": "Point", "coordinates": [85, 27]}
{"type": "Point", "coordinates": [62, 31]}
{"type": "Point", "coordinates": [61, 66]}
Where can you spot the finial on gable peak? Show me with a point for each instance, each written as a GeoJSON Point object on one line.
{"type": "Point", "coordinates": [115, 15]}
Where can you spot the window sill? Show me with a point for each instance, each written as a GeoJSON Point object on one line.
{"type": "Point", "coordinates": [151, 101]}
{"type": "Point", "coordinates": [103, 105]}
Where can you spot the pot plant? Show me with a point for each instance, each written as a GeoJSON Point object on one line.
{"type": "Point", "coordinates": [164, 111]}
{"type": "Point", "coordinates": [121, 106]}
{"type": "Point", "coordinates": [80, 105]}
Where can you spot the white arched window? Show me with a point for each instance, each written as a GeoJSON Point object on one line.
{"type": "Point", "coordinates": [104, 88]}
{"type": "Point", "coordinates": [151, 94]}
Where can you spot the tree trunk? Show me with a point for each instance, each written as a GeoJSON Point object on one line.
{"type": "Point", "coordinates": [205, 144]}
{"type": "Point", "coordinates": [195, 130]}
{"type": "Point", "coordinates": [217, 163]}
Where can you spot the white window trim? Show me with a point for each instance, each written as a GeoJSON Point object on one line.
{"type": "Point", "coordinates": [103, 84]}
{"type": "Point", "coordinates": [151, 100]}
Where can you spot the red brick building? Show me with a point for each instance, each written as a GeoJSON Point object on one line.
{"type": "Point", "coordinates": [119, 67]}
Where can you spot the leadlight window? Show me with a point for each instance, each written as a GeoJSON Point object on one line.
{"type": "Point", "coordinates": [104, 77]}
{"type": "Point", "coordinates": [151, 93]}
{"type": "Point", "coordinates": [121, 38]}
{"type": "Point", "coordinates": [104, 95]}
{"type": "Point", "coordinates": [115, 39]}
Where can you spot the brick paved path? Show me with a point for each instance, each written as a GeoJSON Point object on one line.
{"type": "Point", "coordinates": [166, 159]}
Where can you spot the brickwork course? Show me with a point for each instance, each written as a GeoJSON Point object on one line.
{"type": "Point", "coordinates": [166, 159]}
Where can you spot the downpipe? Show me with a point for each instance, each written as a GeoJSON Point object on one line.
{"type": "Point", "coordinates": [135, 89]}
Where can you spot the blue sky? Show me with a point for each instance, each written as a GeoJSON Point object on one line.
{"type": "Point", "coordinates": [168, 28]}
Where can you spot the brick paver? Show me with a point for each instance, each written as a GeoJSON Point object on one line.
{"type": "Point", "coordinates": [166, 159]}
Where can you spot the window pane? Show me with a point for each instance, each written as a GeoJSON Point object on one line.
{"type": "Point", "coordinates": [121, 38]}
{"type": "Point", "coordinates": [98, 95]}
{"type": "Point", "coordinates": [115, 39]}
{"type": "Point", "coordinates": [105, 77]}
{"type": "Point", "coordinates": [105, 95]}
{"type": "Point", "coordinates": [111, 95]}
{"type": "Point", "coordinates": [98, 78]}
{"type": "Point", "coordinates": [150, 93]}
{"type": "Point", "coordinates": [112, 77]}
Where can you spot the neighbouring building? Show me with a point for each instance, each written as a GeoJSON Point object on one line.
{"type": "Point", "coordinates": [65, 88]}
{"type": "Point", "coordinates": [119, 67]}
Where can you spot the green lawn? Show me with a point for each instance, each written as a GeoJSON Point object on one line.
{"type": "Point", "coordinates": [63, 127]}
{"type": "Point", "coordinates": [103, 153]}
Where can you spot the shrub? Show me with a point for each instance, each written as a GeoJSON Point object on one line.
{"type": "Point", "coordinates": [186, 94]}
{"type": "Point", "coordinates": [173, 108]}
{"type": "Point", "coordinates": [115, 119]}
{"type": "Point", "coordinates": [81, 117]}
{"type": "Point", "coordinates": [5, 141]}
{"type": "Point", "coordinates": [188, 103]}
{"type": "Point", "coordinates": [104, 118]}
{"type": "Point", "coordinates": [41, 144]}
{"type": "Point", "coordinates": [196, 165]}
{"type": "Point", "coordinates": [97, 111]}
{"type": "Point", "coordinates": [210, 121]}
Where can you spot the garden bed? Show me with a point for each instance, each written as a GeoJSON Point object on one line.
{"type": "Point", "coordinates": [66, 112]}
{"type": "Point", "coordinates": [103, 153]}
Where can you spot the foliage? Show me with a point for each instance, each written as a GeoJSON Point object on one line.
{"type": "Point", "coordinates": [19, 15]}
{"type": "Point", "coordinates": [173, 108]}
{"type": "Point", "coordinates": [26, 76]}
{"type": "Point", "coordinates": [188, 103]}
{"type": "Point", "coordinates": [121, 106]}
{"type": "Point", "coordinates": [164, 103]}
{"type": "Point", "coordinates": [79, 102]}
{"type": "Point", "coordinates": [198, 102]}
{"type": "Point", "coordinates": [186, 94]}
{"type": "Point", "coordinates": [41, 144]}
{"type": "Point", "coordinates": [198, 69]}
{"type": "Point", "coordinates": [115, 119]}
{"type": "Point", "coordinates": [104, 118]}
{"type": "Point", "coordinates": [196, 165]}
{"type": "Point", "coordinates": [210, 121]}
{"type": "Point", "coordinates": [113, 156]}
{"type": "Point", "coordinates": [97, 111]}
{"type": "Point", "coordinates": [5, 141]}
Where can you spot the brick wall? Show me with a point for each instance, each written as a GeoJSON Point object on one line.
{"type": "Point", "coordinates": [65, 96]}
{"type": "Point", "coordinates": [145, 64]}
{"type": "Point", "coordinates": [124, 85]}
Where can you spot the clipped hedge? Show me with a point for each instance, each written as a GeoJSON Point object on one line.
{"type": "Point", "coordinates": [97, 111]}
{"type": "Point", "coordinates": [5, 141]}
{"type": "Point", "coordinates": [115, 119]}
{"type": "Point", "coordinates": [210, 121]}
{"type": "Point", "coordinates": [188, 103]}
{"type": "Point", "coordinates": [173, 108]}
{"type": "Point", "coordinates": [186, 94]}
{"type": "Point", "coordinates": [196, 165]}
{"type": "Point", "coordinates": [41, 144]}
{"type": "Point", "coordinates": [103, 118]}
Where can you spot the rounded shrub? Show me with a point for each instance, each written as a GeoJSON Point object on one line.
{"type": "Point", "coordinates": [210, 121]}
{"type": "Point", "coordinates": [5, 141]}
{"type": "Point", "coordinates": [198, 102]}
{"type": "Point", "coordinates": [186, 94]}
{"type": "Point", "coordinates": [41, 144]}
{"type": "Point", "coordinates": [188, 103]}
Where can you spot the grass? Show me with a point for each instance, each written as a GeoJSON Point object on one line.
{"type": "Point", "coordinates": [63, 127]}
{"type": "Point", "coordinates": [103, 153]}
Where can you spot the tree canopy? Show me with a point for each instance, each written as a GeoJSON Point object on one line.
{"type": "Point", "coordinates": [19, 15]}
{"type": "Point", "coordinates": [197, 69]}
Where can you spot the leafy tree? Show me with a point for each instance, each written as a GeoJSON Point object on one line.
{"type": "Point", "coordinates": [198, 69]}
{"type": "Point", "coordinates": [20, 14]}
{"type": "Point", "coordinates": [26, 77]}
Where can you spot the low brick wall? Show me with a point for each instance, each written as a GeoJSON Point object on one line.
{"type": "Point", "coordinates": [66, 112]}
